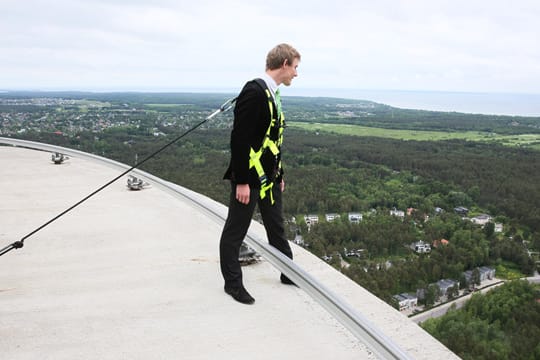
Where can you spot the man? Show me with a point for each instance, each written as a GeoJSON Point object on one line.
{"type": "Point", "coordinates": [255, 168]}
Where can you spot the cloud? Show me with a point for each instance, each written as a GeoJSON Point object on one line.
{"type": "Point", "coordinates": [165, 44]}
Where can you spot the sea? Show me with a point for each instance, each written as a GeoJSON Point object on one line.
{"type": "Point", "coordinates": [513, 104]}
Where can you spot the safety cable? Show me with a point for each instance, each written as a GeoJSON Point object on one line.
{"type": "Point", "coordinates": [20, 243]}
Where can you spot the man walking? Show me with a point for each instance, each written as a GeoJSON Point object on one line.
{"type": "Point", "coordinates": [255, 168]}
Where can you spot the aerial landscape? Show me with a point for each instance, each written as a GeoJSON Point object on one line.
{"type": "Point", "coordinates": [419, 212]}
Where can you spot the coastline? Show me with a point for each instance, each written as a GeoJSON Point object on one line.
{"type": "Point", "coordinates": [509, 104]}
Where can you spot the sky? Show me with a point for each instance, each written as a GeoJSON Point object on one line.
{"type": "Point", "coordinates": [178, 45]}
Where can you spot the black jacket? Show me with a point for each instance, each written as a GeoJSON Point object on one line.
{"type": "Point", "coordinates": [251, 121]}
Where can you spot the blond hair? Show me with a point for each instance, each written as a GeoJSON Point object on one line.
{"type": "Point", "coordinates": [277, 56]}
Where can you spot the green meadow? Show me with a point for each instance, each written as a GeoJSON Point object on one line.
{"type": "Point", "coordinates": [522, 140]}
{"type": "Point", "coordinates": [166, 105]}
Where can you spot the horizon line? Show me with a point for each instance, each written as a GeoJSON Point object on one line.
{"type": "Point", "coordinates": [212, 90]}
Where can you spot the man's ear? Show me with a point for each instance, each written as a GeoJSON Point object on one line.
{"type": "Point", "coordinates": [285, 63]}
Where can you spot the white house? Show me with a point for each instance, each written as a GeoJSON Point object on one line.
{"type": "Point", "coordinates": [311, 219]}
{"type": "Point", "coordinates": [355, 218]}
{"type": "Point", "coordinates": [399, 213]}
{"type": "Point", "coordinates": [359, 253]}
{"type": "Point", "coordinates": [406, 301]}
{"type": "Point", "coordinates": [482, 219]}
{"type": "Point", "coordinates": [331, 217]}
{"type": "Point", "coordinates": [421, 247]}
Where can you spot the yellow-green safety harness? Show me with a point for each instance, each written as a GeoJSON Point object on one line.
{"type": "Point", "coordinates": [273, 146]}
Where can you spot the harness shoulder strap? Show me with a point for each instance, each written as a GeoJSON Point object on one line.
{"type": "Point", "coordinates": [262, 85]}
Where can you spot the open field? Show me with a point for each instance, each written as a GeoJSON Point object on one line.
{"type": "Point", "coordinates": [167, 105]}
{"type": "Point", "coordinates": [523, 140]}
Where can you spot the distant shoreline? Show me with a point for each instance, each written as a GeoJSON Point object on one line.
{"type": "Point", "coordinates": [509, 104]}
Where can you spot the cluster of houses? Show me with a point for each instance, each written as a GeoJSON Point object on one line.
{"type": "Point", "coordinates": [409, 302]}
{"type": "Point", "coordinates": [354, 218]}
{"type": "Point", "coordinates": [420, 247]}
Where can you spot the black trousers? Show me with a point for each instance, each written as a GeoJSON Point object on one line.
{"type": "Point", "coordinates": [237, 225]}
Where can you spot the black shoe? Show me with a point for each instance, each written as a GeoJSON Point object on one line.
{"type": "Point", "coordinates": [285, 280]}
{"type": "Point", "coordinates": [240, 294]}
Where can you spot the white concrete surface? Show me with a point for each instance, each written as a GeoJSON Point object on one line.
{"type": "Point", "coordinates": [135, 275]}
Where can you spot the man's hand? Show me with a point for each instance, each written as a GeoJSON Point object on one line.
{"type": "Point", "coordinates": [282, 185]}
{"type": "Point", "coordinates": [242, 193]}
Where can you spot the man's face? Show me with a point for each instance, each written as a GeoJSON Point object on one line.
{"type": "Point", "coordinates": [289, 72]}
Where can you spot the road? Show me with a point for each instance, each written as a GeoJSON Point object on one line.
{"type": "Point", "coordinates": [442, 309]}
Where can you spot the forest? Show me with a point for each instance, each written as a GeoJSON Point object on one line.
{"type": "Point", "coordinates": [501, 324]}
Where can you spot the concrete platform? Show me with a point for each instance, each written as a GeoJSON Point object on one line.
{"type": "Point", "coordinates": [135, 275]}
